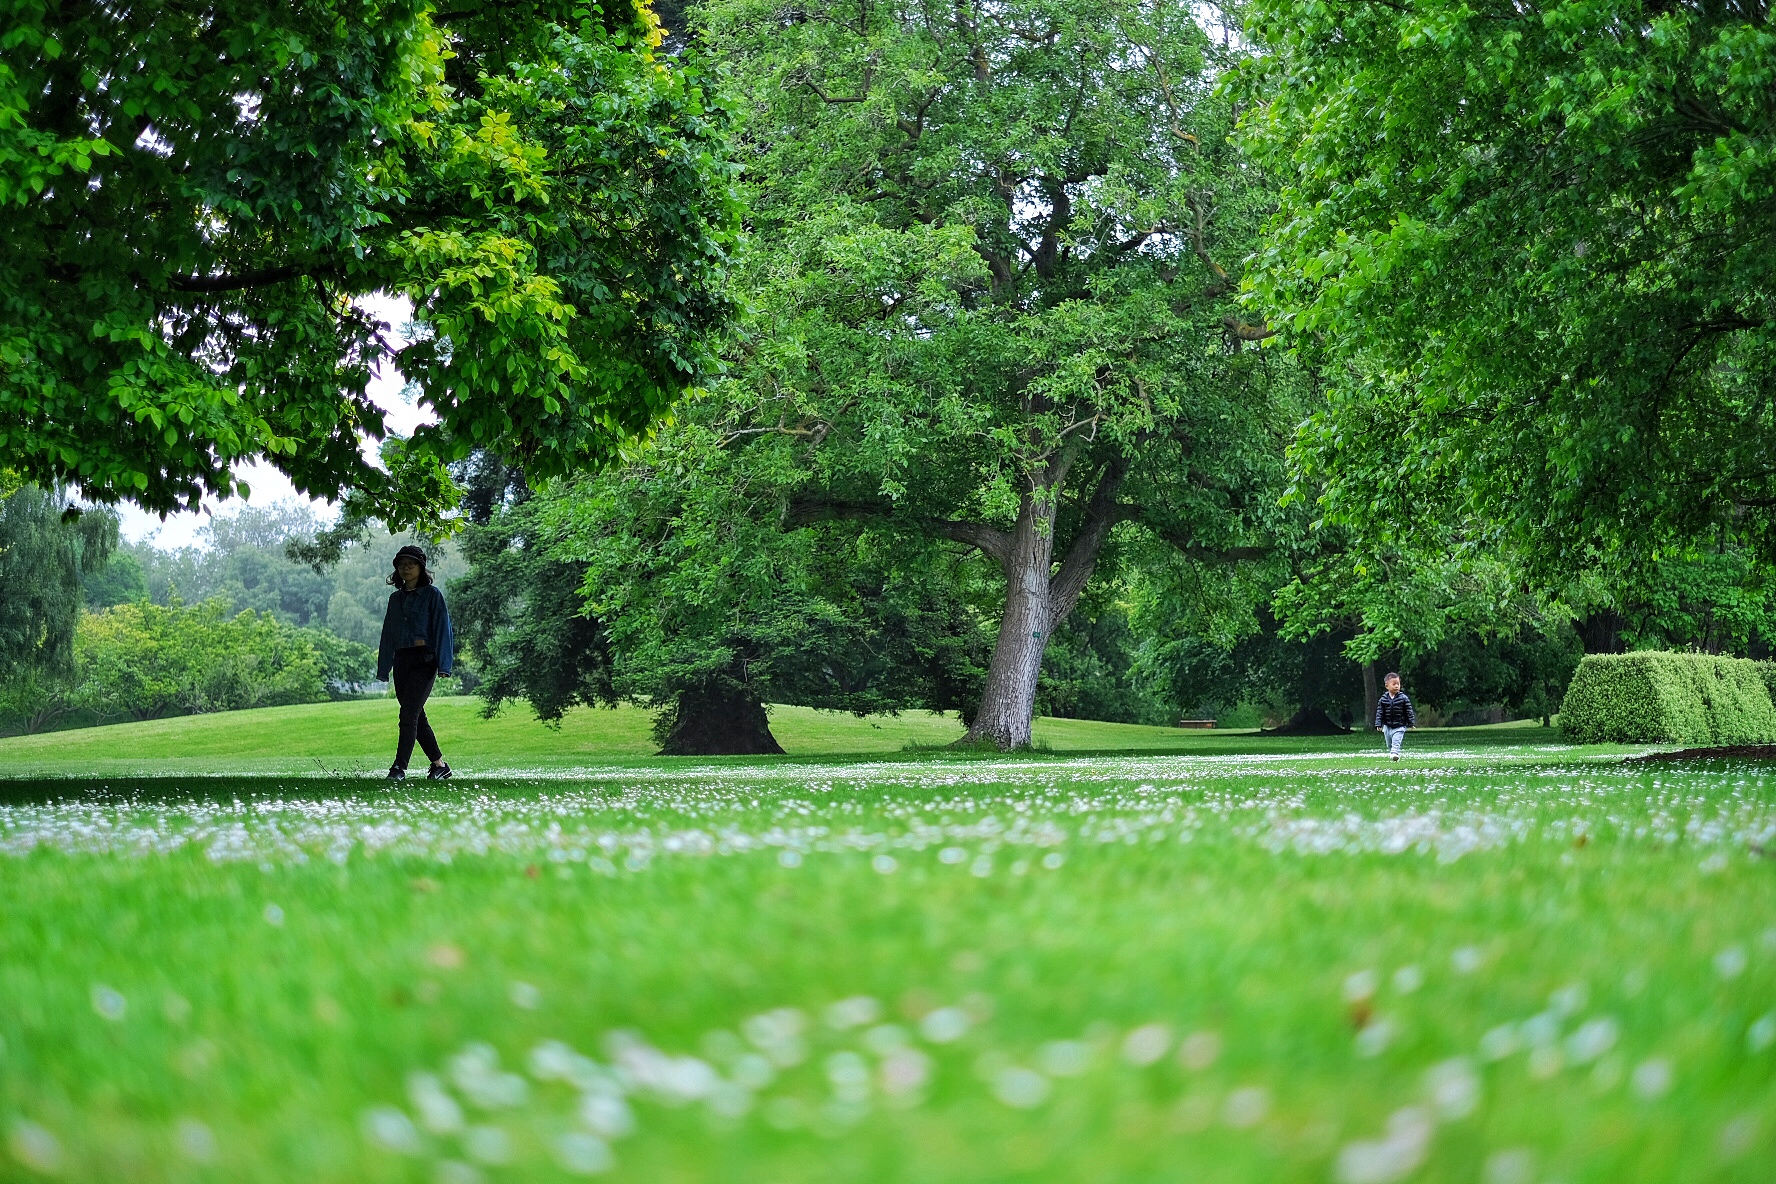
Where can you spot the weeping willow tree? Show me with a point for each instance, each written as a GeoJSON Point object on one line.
{"type": "Point", "coordinates": [44, 551]}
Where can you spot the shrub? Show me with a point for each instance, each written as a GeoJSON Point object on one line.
{"type": "Point", "coordinates": [147, 660]}
{"type": "Point", "coordinates": [1768, 671]}
{"type": "Point", "coordinates": [1655, 697]}
{"type": "Point", "coordinates": [347, 667]}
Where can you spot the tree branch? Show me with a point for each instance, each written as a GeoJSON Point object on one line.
{"type": "Point", "coordinates": [67, 273]}
{"type": "Point", "coordinates": [1129, 244]}
{"type": "Point", "coordinates": [1247, 332]}
{"type": "Point", "coordinates": [869, 73]}
{"type": "Point", "coordinates": [1190, 549]}
{"type": "Point", "coordinates": [777, 429]}
{"type": "Point", "coordinates": [1101, 514]}
{"type": "Point", "coordinates": [479, 9]}
{"type": "Point", "coordinates": [991, 542]}
{"type": "Point", "coordinates": [1198, 227]}
{"type": "Point", "coordinates": [1057, 462]}
{"type": "Point", "coordinates": [1175, 123]}
{"type": "Point", "coordinates": [914, 128]}
{"type": "Point", "coordinates": [994, 543]}
{"type": "Point", "coordinates": [1060, 217]}
{"type": "Point", "coordinates": [234, 283]}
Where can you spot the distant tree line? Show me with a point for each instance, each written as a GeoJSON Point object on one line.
{"type": "Point", "coordinates": [555, 616]}
{"type": "Point", "coordinates": [104, 630]}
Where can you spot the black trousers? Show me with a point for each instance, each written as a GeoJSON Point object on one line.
{"type": "Point", "coordinates": [414, 675]}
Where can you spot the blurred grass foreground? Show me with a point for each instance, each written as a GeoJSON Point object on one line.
{"type": "Point", "coordinates": [1503, 961]}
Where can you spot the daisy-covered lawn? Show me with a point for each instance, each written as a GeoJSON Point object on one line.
{"type": "Point", "coordinates": [1510, 965]}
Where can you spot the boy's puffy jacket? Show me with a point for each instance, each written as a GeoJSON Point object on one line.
{"type": "Point", "coordinates": [1395, 711]}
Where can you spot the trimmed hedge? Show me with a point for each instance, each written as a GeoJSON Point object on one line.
{"type": "Point", "coordinates": [1656, 697]}
{"type": "Point", "coordinates": [1768, 670]}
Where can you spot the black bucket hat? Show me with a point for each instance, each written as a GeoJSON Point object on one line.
{"type": "Point", "coordinates": [413, 553]}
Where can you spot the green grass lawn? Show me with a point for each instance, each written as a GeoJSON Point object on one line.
{"type": "Point", "coordinates": [1499, 961]}
{"type": "Point", "coordinates": [358, 737]}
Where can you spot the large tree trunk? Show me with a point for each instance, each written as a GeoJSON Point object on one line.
{"type": "Point", "coordinates": [1036, 601]}
{"type": "Point", "coordinates": [1008, 701]}
{"type": "Point", "coordinates": [1371, 696]}
{"type": "Point", "coordinates": [1038, 596]}
{"type": "Point", "coordinates": [708, 723]}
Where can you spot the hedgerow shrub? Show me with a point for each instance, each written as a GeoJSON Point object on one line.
{"type": "Point", "coordinates": [1768, 670]}
{"type": "Point", "coordinates": [1668, 698]}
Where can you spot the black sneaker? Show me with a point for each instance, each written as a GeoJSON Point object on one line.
{"type": "Point", "coordinates": [439, 772]}
{"type": "Point", "coordinates": [397, 773]}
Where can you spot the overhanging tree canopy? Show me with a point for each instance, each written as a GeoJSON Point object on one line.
{"type": "Point", "coordinates": [194, 194]}
{"type": "Point", "coordinates": [1532, 247]}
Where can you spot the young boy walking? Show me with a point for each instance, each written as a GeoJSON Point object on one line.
{"type": "Point", "coordinates": [1394, 714]}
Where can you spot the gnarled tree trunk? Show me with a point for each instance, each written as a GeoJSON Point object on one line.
{"type": "Point", "coordinates": [1008, 701]}
{"type": "Point", "coordinates": [1037, 599]}
{"type": "Point", "coordinates": [1038, 594]}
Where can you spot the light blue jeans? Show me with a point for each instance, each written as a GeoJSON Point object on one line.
{"type": "Point", "coordinates": [1394, 737]}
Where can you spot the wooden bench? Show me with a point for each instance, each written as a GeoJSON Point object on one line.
{"type": "Point", "coordinates": [1196, 723]}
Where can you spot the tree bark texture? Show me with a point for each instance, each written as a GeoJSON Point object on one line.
{"type": "Point", "coordinates": [1037, 599]}
{"type": "Point", "coordinates": [1008, 700]}
{"type": "Point", "coordinates": [1371, 695]}
{"type": "Point", "coordinates": [705, 723]}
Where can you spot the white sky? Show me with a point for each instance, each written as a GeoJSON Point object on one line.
{"type": "Point", "coordinates": [269, 486]}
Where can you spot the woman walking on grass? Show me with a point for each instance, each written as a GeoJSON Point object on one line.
{"type": "Point", "coordinates": [417, 646]}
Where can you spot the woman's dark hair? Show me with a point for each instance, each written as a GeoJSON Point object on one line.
{"type": "Point", "coordinates": [418, 556]}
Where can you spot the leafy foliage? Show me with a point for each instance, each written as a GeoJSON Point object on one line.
{"type": "Point", "coordinates": [1532, 248]}
{"type": "Point", "coordinates": [1452, 614]}
{"type": "Point", "coordinates": [520, 612]}
{"type": "Point", "coordinates": [121, 580]}
{"type": "Point", "coordinates": [242, 557]}
{"type": "Point", "coordinates": [1095, 669]}
{"type": "Point", "coordinates": [1668, 697]}
{"type": "Point", "coordinates": [1525, 673]}
{"type": "Point", "coordinates": [145, 660]}
{"type": "Point", "coordinates": [347, 667]}
{"type": "Point", "coordinates": [1266, 666]}
{"type": "Point", "coordinates": [49, 549]}
{"type": "Point", "coordinates": [1718, 599]}
{"type": "Point", "coordinates": [1404, 601]}
{"type": "Point", "coordinates": [994, 251]}
{"type": "Point", "coordinates": [665, 581]}
{"type": "Point", "coordinates": [196, 194]}
{"type": "Point", "coordinates": [44, 555]}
